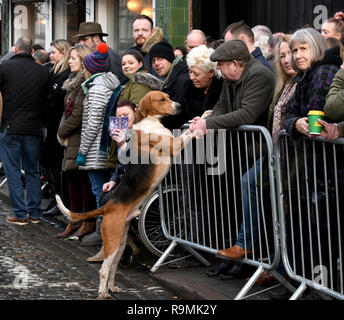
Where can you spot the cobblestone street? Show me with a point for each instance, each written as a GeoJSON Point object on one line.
{"type": "Point", "coordinates": [34, 264]}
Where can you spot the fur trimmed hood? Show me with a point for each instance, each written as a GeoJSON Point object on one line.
{"type": "Point", "coordinates": [148, 80]}
{"type": "Point", "coordinates": [75, 80]}
{"type": "Point", "coordinates": [155, 37]}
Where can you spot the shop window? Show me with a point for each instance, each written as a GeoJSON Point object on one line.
{"type": "Point", "coordinates": [68, 14]}
{"type": "Point", "coordinates": [31, 19]}
{"type": "Point", "coordinates": [128, 9]}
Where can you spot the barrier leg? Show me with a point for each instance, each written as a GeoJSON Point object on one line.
{"type": "Point", "coordinates": [197, 256]}
{"type": "Point", "coordinates": [249, 283]}
{"type": "Point", "coordinates": [297, 294]}
{"type": "Point", "coordinates": [283, 281]}
{"type": "Point", "coordinates": [163, 256]}
{"type": "Point", "coordinates": [3, 182]}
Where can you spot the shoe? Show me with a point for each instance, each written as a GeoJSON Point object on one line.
{"type": "Point", "coordinates": [187, 262]}
{"type": "Point", "coordinates": [15, 220]}
{"type": "Point", "coordinates": [93, 239]}
{"type": "Point", "coordinates": [70, 229]}
{"type": "Point", "coordinates": [86, 227]}
{"type": "Point", "coordinates": [35, 220]}
{"type": "Point", "coordinates": [235, 252]}
{"type": "Point", "coordinates": [220, 269]}
{"type": "Point", "coordinates": [98, 257]}
{"type": "Point", "coordinates": [54, 211]}
{"type": "Point", "coordinates": [238, 271]}
{"type": "Point", "coordinates": [280, 293]}
{"type": "Point", "coordinates": [266, 278]}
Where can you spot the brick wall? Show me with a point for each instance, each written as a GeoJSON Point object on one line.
{"type": "Point", "coordinates": [173, 17]}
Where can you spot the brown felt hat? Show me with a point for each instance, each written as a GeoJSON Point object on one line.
{"type": "Point", "coordinates": [231, 50]}
{"type": "Point", "coordinates": [90, 28]}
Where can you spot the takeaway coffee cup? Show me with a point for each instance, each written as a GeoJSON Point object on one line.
{"type": "Point", "coordinates": [313, 117]}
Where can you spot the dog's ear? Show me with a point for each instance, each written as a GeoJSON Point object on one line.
{"type": "Point", "coordinates": [143, 108]}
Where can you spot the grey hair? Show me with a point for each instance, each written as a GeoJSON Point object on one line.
{"type": "Point", "coordinates": [316, 42]}
{"type": "Point", "coordinates": [200, 57]}
{"type": "Point", "coordinates": [24, 44]}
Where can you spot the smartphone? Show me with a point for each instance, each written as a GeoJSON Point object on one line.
{"type": "Point", "coordinates": [120, 123]}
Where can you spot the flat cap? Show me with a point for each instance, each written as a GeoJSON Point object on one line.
{"type": "Point", "coordinates": [231, 50]}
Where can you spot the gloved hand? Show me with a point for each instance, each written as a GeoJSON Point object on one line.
{"type": "Point", "coordinates": [81, 159]}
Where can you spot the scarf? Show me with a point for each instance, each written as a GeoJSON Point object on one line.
{"type": "Point", "coordinates": [281, 108]}
{"type": "Point", "coordinates": [105, 140]}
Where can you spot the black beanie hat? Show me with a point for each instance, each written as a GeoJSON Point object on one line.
{"type": "Point", "coordinates": [162, 50]}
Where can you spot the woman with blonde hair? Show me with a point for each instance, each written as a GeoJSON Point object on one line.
{"type": "Point", "coordinates": [334, 27]}
{"type": "Point", "coordinates": [69, 132]}
{"type": "Point", "coordinates": [52, 152]}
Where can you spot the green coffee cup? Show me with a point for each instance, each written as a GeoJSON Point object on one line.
{"type": "Point", "coordinates": [313, 117]}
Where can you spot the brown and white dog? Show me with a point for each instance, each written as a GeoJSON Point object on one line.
{"type": "Point", "coordinates": [151, 141]}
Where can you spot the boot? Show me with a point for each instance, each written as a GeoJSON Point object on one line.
{"type": "Point", "coordinates": [95, 238]}
{"type": "Point", "coordinates": [70, 229]}
{"type": "Point", "coordinates": [86, 227]}
{"type": "Point", "coordinates": [98, 257]}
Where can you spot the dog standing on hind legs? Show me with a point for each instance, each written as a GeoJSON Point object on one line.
{"type": "Point", "coordinates": [152, 148]}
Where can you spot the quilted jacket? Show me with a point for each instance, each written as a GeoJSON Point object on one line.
{"type": "Point", "coordinates": [98, 90]}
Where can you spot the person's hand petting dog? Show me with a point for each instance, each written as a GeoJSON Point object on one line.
{"type": "Point", "coordinates": [198, 127]}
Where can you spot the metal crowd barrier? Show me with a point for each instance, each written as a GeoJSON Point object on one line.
{"type": "Point", "coordinates": [201, 199]}
{"type": "Point", "coordinates": [310, 184]}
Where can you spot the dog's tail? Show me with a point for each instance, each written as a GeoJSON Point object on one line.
{"type": "Point", "coordinates": [73, 216]}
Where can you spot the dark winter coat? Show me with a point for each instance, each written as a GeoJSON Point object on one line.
{"type": "Point", "coordinates": [312, 89]}
{"type": "Point", "coordinates": [257, 54]}
{"type": "Point", "coordinates": [70, 124]}
{"type": "Point", "coordinates": [176, 83]}
{"type": "Point", "coordinates": [25, 89]}
{"type": "Point", "coordinates": [196, 102]}
{"type": "Point", "coordinates": [246, 101]}
{"type": "Point", "coordinates": [52, 153]}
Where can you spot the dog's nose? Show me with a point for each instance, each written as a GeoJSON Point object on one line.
{"type": "Point", "coordinates": [177, 107]}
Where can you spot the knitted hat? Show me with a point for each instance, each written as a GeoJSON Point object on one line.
{"type": "Point", "coordinates": [95, 62]}
{"type": "Point", "coordinates": [162, 50]}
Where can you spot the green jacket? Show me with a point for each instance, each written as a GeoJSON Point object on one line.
{"type": "Point", "coordinates": [134, 91]}
{"type": "Point", "coordinates": [334, 108]}
{"type": "Point", "coordinates": [249, 101]}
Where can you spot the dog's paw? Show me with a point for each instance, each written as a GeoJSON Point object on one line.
{"type": "Point", "coordinates": [104, 295]}
{"type": "Point", "coordinates": [115, 289]}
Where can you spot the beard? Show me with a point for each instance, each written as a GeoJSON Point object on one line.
{"type": "Point", "coordinates": [140, 41]}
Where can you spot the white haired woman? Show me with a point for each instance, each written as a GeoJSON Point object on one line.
{"type": "Point", "coordinates": [206, 83]}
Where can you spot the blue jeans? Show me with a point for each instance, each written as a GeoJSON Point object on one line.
{"type": "Point", "coordinates": [22, 151]}
{"type": "Point", "coordinates": [97, 179]}
{"type": "Point", "coordinates": [250, 216]}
